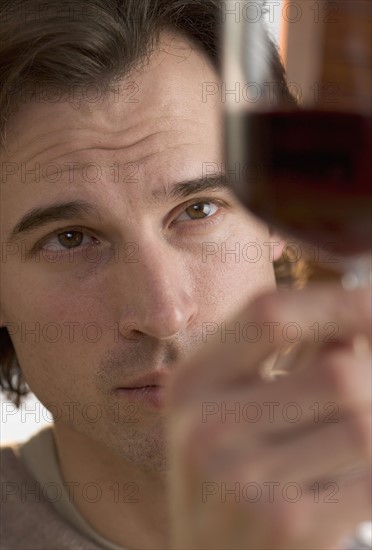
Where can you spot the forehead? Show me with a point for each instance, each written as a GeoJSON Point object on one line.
{"type": "Point", "coordinates": [166, 94]}
{"type": "Point", "coordinates": [155, 132]}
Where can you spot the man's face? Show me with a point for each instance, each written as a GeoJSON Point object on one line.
{"type": "Point", "coordinates": [133, 288]}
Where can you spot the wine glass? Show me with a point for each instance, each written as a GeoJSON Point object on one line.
{"type": "Point", "coordinates": [304, 157]}
{"type": "Point", "coordinates": [301, 154]}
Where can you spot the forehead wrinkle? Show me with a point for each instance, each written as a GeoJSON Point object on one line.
{"type": "Point", "coordinates": [100, 135]}
{"type": "Point", "coordinates": [154, 143]}
{"type": "Point", "coordinates": [34, 141]}
{"type": "Point", "coordinates": [147, 157]}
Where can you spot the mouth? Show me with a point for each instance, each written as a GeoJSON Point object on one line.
{"type": "Point", "coordinates": [148, 396]}
{"type": "Point", "coordinates": [148, 391]}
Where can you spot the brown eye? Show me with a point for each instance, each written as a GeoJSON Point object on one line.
{"type": "Point", "coordinates": [71, 239]}
{"type": "Point", "coordinates": [199, 210]}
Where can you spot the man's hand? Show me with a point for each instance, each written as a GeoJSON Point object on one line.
{"type": "Point", "coordinates": [282, 463]}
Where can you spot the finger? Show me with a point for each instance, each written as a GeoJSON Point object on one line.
{"type": "Point", "coordinates": [228, 516]}
{"type": "Point", "coordinates": [326, 450]}
{"type": "Point", "coordinates": [331, 384]}
{"type": "Point", "coordinates": [314, 520]}
{"type": "Point", "coordinates": [335, 513]}
{"type": "Point", "coordinates": [312, 313]}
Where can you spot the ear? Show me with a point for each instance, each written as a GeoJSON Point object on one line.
{"type": "Point", "coordinates": [276, 244]}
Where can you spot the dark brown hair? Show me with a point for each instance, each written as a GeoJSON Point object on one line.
{"type": "Point", "coordinates": [64, 45]}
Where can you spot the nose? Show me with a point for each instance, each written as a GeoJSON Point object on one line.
{"type": "Point", "coordinates": [157, 298]}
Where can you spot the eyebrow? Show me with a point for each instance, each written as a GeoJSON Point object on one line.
{"type": "Point", "coordinates": [186, 189]}
{"type": "Point", "coordinates": [40, 216]}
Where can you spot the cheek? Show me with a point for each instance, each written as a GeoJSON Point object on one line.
{"type": "Point", "coordinates": [46, 304]}
{"type": "Point", "coordinates": [34, 292]}
{"type": "Point", "coordinates": [50, 329]}
{"type": "Point", "coordinates": [237, 268]}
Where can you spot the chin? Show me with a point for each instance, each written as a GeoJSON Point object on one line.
{"type": "Point", "coordinates": [148, 453]}
{"type": "Point", "coordinates": [143, 447]}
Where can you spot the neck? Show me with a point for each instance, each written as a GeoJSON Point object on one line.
{"type": "Point", "coordinates": [130, 507]}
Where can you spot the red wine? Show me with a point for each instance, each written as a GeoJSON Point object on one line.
{"type": "Point", "coordinates": [306, 172]}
